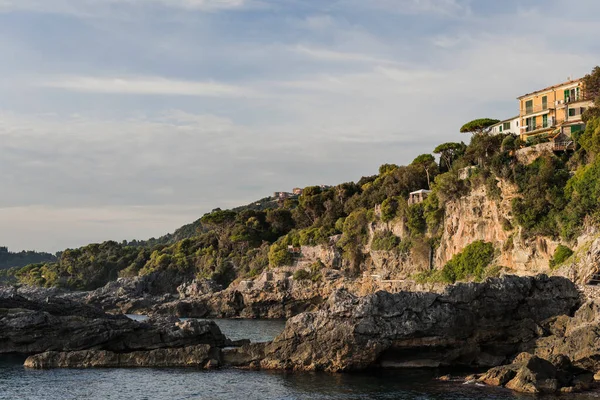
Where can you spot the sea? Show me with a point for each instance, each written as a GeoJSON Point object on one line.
{"type": "Point", "coordinates": [19, 383]}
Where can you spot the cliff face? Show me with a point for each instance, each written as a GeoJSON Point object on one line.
{"type": "Point", "coordinates": [480, 217]}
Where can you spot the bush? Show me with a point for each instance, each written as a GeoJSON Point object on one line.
{"type": "Point", "coordinates": [541, 185]}
{"type": "Point", "coordinates": [470, 263]}
{"type": "Point", "coordinates": [385, 241]}
{"type": "Point", "coordinates": [561, 254]}
{"type": "Point", "coordinates": [279, 255]}
{"type": "Point", "coordinates": [301, 275]}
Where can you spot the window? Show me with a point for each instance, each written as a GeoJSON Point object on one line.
{"type": "Point", "coordinates": [529, 106]}
{"type": "Point", "coordinates": [506, 126]}
{"type": "Point", "coordinates": [572, 112]}
{"type": "Point", "coordinates": [545, 121]}
{"type": "Point", "coordinates": [544, 102]}
{"type": "Point", "coordinates": [500, 128]}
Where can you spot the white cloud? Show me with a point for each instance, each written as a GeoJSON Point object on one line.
{"type": "Point", "coordinates": [332, 55]}
{"type": "Point", "coordinates": [146, 86]}
{"type": "Point", "coordinates": [92, 7]}
{"type": "Point", "coordinates": [414, 7]}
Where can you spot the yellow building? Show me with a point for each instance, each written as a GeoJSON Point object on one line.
{"type": "Point", "coordinates": [554, 110]}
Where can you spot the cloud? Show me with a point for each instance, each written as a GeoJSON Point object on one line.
{"type": "Point", "coordinates": [417, 7]}
{"type": "Point", "coordinates": [146, 86]}
{"type": "Point", "coordinates": [339, 56]}
{"type": "Point", "coordinates": [90, 7]}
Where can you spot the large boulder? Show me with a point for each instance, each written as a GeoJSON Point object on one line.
{"type": "Point", "coordinates": [471, 324]}
{"type": "Point", "coordinates": [531, 374]}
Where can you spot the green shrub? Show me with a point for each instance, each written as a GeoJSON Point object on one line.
{"type": "Point", "coordinates": [416, 222]}
{"type": "Point", "coordinates": [279, 255]}
{"type": "Point", "coordinates": [470, 263]}
{"type": "Point", "coordinates": [561, 254]}
{"type": "Point", "coordinates": [388, 209]}
{"type": "Point", "coordinates": [301, 275]}
{"type": "Point", "coordinates": [385, 241]}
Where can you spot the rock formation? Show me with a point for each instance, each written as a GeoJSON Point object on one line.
{"type": "Point", "coordinates": [30, 326]}
{"type": "Point", "coordinates": [474, 324]}
{"type": "Point", "coordinates": [532, 374]}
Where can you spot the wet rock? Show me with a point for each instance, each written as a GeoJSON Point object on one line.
{"type": "Point", "coordinates": [199, 356]}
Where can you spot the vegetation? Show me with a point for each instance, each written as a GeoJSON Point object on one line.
{"type": "Point", "coordinates": [561, 254]}
{"type": "Point", "coordinates": [478, 126]}
{"type": "Point", "coordinates": [471, 263]}
{"type": "Point", "coordinates": [9, 259]}
{"type": "Point", "coordinates": [385, 241]}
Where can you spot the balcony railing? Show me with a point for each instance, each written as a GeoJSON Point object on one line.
{"type": "Point", "coordinates": [564, 145]}
{"type": "Point", "coordinates": [536, 109]}
{"type": "Point", "coordinates": [551, 123]}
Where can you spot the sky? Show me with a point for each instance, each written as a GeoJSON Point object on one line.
{"type": "Point", "coordinates": [125, 119]}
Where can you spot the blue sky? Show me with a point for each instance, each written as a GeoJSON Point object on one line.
{"type": "Point", "coordinates": [124, 119]}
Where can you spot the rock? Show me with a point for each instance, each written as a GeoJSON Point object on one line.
{"type": "Point", "coordinates": [198, 287]}
{"type": "Point", "coordinates": [444, 378]}
{"type": "Point", "coordinates": [199, 356]}
{"type": "Point", "coordinates": [472, 324]}
{"type": "Point", "coordinates": [249, 355]}
{"type": "Point", "coordinates": [499, 376]}
{"type": "Point", "coordinates": [531, 374]}
{"type": "Point", "coordinates": [56, 324]}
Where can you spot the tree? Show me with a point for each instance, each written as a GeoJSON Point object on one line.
{"type": "Point", "coordinates": [449, 152]}
{"type": "Point", "coordinates": [591, 84]}
{"type": "Point", "coordinates": [478, 126]}
{"type": "Point", "coordinates": [427, 162]}
{"type": "Point", "coordinates": [387, 168]}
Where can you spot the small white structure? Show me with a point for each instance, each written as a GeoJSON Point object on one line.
{"type": "Point", "coordinates": [418, 197]}
{"type": "Point", "coordinates": [510, 125]}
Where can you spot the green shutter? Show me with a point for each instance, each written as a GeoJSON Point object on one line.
{"type": "Point", "coordinates": [576, 128]}
{"type": "Point", "coordinates": [545, 121]}
{"type": "Point", "coordinates": [566, 94]}
{"type": "Point", "coordinates": [529, 106]}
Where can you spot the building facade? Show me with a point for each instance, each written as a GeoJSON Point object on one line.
{"type": "Point", "coordinates": [554, 110]}
{"type": "Point", "coordinates": [511, 125]}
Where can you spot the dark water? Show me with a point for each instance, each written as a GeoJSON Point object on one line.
{"type": "Point", "coordinates": [235, 329]}
{"type": "Point", "coordinates": [158, 384]}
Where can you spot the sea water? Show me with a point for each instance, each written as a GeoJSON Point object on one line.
{"type": "Point", "coordinates": [19, 383]}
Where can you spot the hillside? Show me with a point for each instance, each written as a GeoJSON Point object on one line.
{"type": "Point", "coordinates": [10, 259]}
{"type": "Point", "coordinates": [496, 204]}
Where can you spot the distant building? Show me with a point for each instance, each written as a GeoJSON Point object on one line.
{"type": "Point", "coordinates": [418, 197]}
{"type": "Point", "coordinates": [510, 125]}
{"type": "Point", "coordinates": [282, 195]}
{"type": "Point", "coordinates": [554, 110]}
{"type": "Point", "coordinates": [297, 191]}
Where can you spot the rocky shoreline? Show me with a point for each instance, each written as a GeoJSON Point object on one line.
{"type": "Point", "coordinates": [537, 334]}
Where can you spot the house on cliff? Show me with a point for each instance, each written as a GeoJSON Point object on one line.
{"type": "Point", "coordinates": [553, 112]}
{"type": "Point", "coordinates": [510, 125]}
{"type": "Point", "coordinates": [418, 197]}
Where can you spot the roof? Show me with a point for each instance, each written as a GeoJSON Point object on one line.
{"type": "Point", "coordinates": [421, 191]}
{"type": "Point", "coordinates": [550, 88]}
{"type": "Point", "coordinates": [506, 120]}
